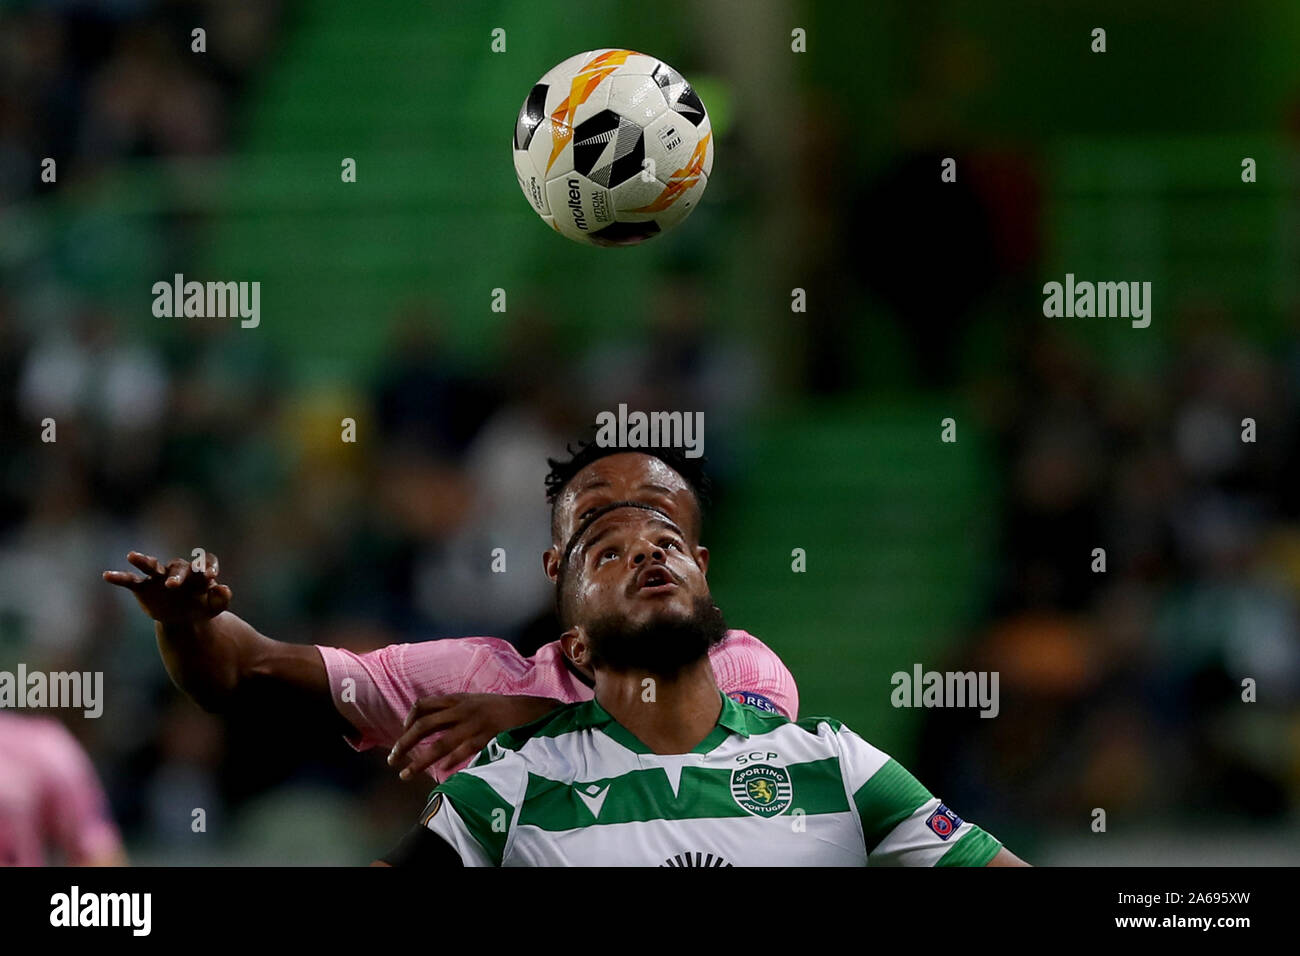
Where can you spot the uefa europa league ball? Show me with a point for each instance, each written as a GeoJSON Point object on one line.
{"type": "Point", "coordinates": [613, 147]}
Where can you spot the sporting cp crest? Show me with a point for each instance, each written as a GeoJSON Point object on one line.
{"type": "Point", "coordinates": [763, 790]}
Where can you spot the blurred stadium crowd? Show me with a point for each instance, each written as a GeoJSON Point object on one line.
{"type": "Point", "coordinates": [1120, 689]}
{"type": "Point", "coordinates": [1123, 690]}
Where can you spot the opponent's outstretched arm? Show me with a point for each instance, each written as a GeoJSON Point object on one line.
{"type": "Point", "coordinates": [210, 653]}
{"type": "Point", "coordinates": [223, 663]}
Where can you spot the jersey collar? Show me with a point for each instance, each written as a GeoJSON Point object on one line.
{"type": "Point", "coordinates": [730, 720]}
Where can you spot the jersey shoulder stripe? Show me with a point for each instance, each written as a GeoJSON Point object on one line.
{"type": "Point", "coordinates": [758, 721]}
{"type": "Point", "coordinates": [484, 812]}
{"type": "Point", "coordinates": [976, 848]}
{"type": "Point", "coordinates": [566, 719]}
{"type": "Point", "coordinates": [811, 724]}
{"type": "Point", "coordinates": [888, 798]}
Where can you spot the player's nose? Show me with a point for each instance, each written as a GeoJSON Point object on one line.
{"type": "Point", "coordinates": [644, 551]}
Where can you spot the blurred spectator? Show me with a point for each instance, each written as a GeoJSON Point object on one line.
{"type": "Point", "coordinates": [52, 807]}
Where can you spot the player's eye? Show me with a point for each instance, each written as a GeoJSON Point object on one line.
{"type": "Point", "coordinates": [670, 543]}
{"type": "Point", "coordinates": [607, 555]}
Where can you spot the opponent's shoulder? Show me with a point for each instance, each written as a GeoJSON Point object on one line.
{"type": "Point", "coordinates": [746, 651]}
{"type": "Point", "coordinates": [750, 672]}
{"type": "Point", "coordinates": [437, 654]}
{"type": "Point", "coordinates": [737, 640]}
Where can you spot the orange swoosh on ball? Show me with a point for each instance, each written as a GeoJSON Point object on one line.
{"type": "Point", "coordinates": [682, 180]}
{"type": "Point", "coordinates": [581, 87]}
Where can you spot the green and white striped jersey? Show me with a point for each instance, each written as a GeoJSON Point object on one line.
{"type": "Point", "coordinates": [577, 788]}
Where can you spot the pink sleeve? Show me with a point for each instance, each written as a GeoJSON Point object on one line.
{"type": "Point", "coordinates": [76, 807]}
{"type": "Point", "coordinates": [747, 670]}
{"type": "Point", "coordinates": [386, 683]}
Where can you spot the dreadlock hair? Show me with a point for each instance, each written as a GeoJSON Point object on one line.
{"type": "Point", "coordinates": [563, 471]}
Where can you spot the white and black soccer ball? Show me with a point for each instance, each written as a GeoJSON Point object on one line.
{"type": "Point", "coordinates": [613, 147]}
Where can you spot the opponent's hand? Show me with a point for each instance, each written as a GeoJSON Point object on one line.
{"type": "Point", "coordinates": [466, 721]}
{"type": "Point", "coordinates": [175, 593]}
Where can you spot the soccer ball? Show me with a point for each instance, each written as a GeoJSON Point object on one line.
{"type": "Point", "coordinates": [613, 147]}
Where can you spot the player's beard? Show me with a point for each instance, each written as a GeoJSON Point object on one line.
{"type": "Point", "coordinates": [661, 646]}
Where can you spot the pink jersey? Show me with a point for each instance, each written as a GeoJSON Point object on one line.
{"type": "Point", "coordinates": [387, 682]}
{"type": "Point", "coordinates": [49, 796]}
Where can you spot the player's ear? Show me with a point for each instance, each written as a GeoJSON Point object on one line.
{"type": "Point", "coordinates": [574, 644]}
{"type": "Point", "coordinates": [551, 563]}
{"type": "Point", "coordinates": [702, 558]}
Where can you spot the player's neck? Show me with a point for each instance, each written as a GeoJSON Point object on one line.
{"type": "Point", "coordinates": [670, 716]}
